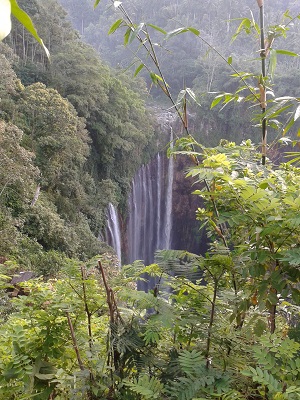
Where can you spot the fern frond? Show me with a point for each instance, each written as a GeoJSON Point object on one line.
{"type": "Point", "coordinates": [125, 339]}
{"type": "Point", "coordinates": [191, 362]}
{"type": "Point", "coordinates": [148, 388]}
{"type": "Point", "coordinates": [185, 388]}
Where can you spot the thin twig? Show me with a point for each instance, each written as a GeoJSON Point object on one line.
{"type": "Point", "coordinates": [80, 363]}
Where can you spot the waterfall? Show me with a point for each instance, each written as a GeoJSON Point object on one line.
{"type": "Point", "coordinates": [141, 227]}
{"type": "Point", "coordinates": [169, 199]}
{"type": "Point", "coordinates": [149, 226]}
{"type": "Point", "coordinates": [160, 212]}
{"type": "Point", "coordinates": [113, 230]}
{"type": "Point", "coordinates": [158, 200]}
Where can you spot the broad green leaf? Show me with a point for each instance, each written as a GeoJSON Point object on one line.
{"type": "Point", "coordinates": [45, 377]}
{"type": "Point", "coordinates": [229, 60]}
{"type": "Point", "coordinates": [25, 20]}
{"type": "Point", "coordinates": [260, 327]}
{"type": "Point", "coordinates": [216, 100]}
{"type": "Point", "coordinates": [287, 53]}
{"type": "Point", "coordinates": [296, 295]}
{"type": "Point", "coordinates": [115, 26]}
{"type": "Point", "coordinates": [138, 70]}
{"type": "Point", "coordinates": [127, 35]}
{"type": "Point", "coordinates": [157, 28]}
{"type": "Point", "coordinates": [5, 21]}
{"type": "Point", "coordinates": [272, 297]}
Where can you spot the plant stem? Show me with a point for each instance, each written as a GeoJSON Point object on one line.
{"type": "Point", "coordinates": [86, 307]}
{"type": "Point", "coordinates": [80, 363]}
{"type": "Point", "coordinates": [211, 321]}
{"type": "Point", "coordinates": [262, 85]}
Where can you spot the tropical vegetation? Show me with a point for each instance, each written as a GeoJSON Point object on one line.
{"type": "Point", "coordinates": [219, 325]}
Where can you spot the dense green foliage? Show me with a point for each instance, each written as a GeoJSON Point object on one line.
{"type": "Point", "coordinates": [224, 324]}
{"type": "Point", "coordinates": [227, 329]}
{"type": "Point", "coordinates": [72, 134]}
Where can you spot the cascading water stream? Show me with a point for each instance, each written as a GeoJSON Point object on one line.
{"type": "Point", "coordinates": [113, 230]}
{"type": "Point", "coordinates": [169, 199]}
{"type": "Point", "coordinates": [149, 225]}
{"type": "Point", "coordinates": [161, 212]}
{"type": "Point", "coordinates": [158, 200]}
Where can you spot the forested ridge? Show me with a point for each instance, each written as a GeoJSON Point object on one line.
{"type": "Point", "coordinates": [187, 61]}
{"type": "Point", "coordinates": [75, 128]}
{"type": "Point", "coordinates": [81, 132]}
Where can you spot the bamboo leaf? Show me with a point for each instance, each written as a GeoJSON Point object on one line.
{"type": "Point", "coordinates": [288, 126]}
{"type": "Point", "coordinates": [96, 3]}
{"type": "Point", "coordinates": [155, 78]}
{"type": "Point", "coordinates": [127, 35]}
{"type": "Point", "coordinates": [193, 30]}
{"type": "Point", "coordinates": [192, 95]}
{"type": "Point", "coordinates": [25, 20]}
{"type": "Point", "coordinates": [273, 62]}
{"type": "Point", "coordinates": [244, 25]}
{"type": "Point", "coordinates": [157, 28]}
{"type": "Point", "coordinates": [216, 100]}
{"type": "Point", "coordinates": [138, 70]}
{"type": "Point", "coordinates": [115, 26]}
{"type": "Point", "coordinates": [175, 32]}
{"type": "Point", "coordinates": [297, 113]}
{"type": "Point", "coordinates": [287, 53]}
{"type": "Point", "coordinates": [134, 31]}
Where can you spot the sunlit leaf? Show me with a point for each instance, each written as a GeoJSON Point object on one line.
{"type": "Point", "coordinates": [216, 100]}
{"type": "Point", "coordinates": [5, 21]}
{"type": "Point", "coordinates": [25, 20]}
{"type": "Point", "coordinates": [287, 53]}
{"type": "Point", "coordinates": [155, 78]}
{"type": "Point", "coordinates": [132, 32]}
{"type": "Point", "coordinates": [192, 95]}
{"type": "Point", "coordinates": [297, 113]}
{"type": "Point", "coordinates": [193, 30]}
{"type": "Point", "coordinates": [127, 35]}
{"type": "Point", "coordinates": [288, 126]}
{"type": "Point", "coordinates": [157, 28]}
{"type": "Point", "coordinates": [175, 32]}
{"type": "Point", "coordinates": [96, 3]}
{"type": "Point", "coordinates": [138, 70]}
{"type": "Point", "coordinates": [287, 14]}
{"type": "Point", "coordinates": [245, 25]}
{"type": "Point", "coordinates": [115, 26]}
